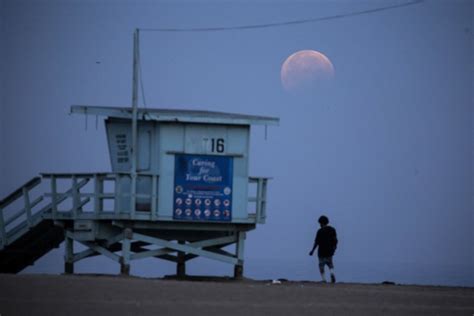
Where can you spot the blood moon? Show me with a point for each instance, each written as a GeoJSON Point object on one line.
{"type": "Point", "coordinates": [306, 70]}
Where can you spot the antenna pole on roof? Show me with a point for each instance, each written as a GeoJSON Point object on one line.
{"type": "Point", "coordinates": [134, 149]}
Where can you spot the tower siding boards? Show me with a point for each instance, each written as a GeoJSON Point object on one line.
{"type": "Point", "coordinates": [159, 142]}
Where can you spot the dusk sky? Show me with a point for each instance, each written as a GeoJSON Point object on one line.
{"type": "Point", "coordinates": [385, 150]}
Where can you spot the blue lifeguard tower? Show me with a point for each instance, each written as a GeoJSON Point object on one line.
{"type": "Point", "coordinates": [179, 189]}
{"type": "Point", "coordinates": [190, 196]}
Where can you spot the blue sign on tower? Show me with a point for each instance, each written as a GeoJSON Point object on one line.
{"type": "Point", "coordinates": [203, 188]}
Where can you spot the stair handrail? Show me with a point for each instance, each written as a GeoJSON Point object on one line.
{"type": "Point", "coordinates": [22, 191]}
{"type": "Point", "coordinates": [19, 192]}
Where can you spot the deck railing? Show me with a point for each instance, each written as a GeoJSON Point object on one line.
{"type": "Point", "coordinates": [73, 196]}
{"type": "Point", "coordinates": [85, 196]}
{"type": "Point", "coordinates": [89, 193]}
{"type": "Point", "coordinates": [260, 199]}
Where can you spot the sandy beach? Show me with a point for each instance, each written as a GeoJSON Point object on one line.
{"type": "Point", "coordinates": [115, 295]}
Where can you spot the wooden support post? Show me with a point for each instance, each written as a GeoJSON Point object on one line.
{"type": "Point", "coordinates": [238, 272]}
{"type": "Point", "coordinates": [181, 264]}
{"type": "Point", "coordinates": [239, 252]}
{"type": "Point", "coordinates": [258, 202]}
{"type": "Point", "coordinates": [3, 235]}
{"type": "Point", "coordinates": [154, 196]}
{"type": "Point", "coordinates": [98, 191]}
{"type": "Point", "coordinates": [125, 259]}
{"type": "Point", "coordinates": [117, 194]}
{"type": "Point", "coordinates": [69, 255]}
{"type": "Point", "coordinates": [75, 197]}
{"type": "Point", "coordinates": [54, 199]}
{"type": "Point", "coordinates": [263, 204]}
{"type": "Point", "coordinates": [26, 197]}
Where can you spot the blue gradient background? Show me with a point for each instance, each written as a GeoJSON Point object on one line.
{"type": "Point", "coordinates": [386, 152]}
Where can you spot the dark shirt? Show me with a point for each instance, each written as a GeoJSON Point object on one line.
{"type": "Point", "coordinates": [326, 241]}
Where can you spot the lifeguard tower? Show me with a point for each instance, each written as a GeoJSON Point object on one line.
{"type": "Point", "coordinates": [179, 189]}
{"type": "Point", "coordinates": [191, 194]}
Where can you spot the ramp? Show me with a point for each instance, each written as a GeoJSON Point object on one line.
{"type": "Point", "coordinates": [25, 236]}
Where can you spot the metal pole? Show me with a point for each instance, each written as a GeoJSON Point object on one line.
{"type": "Point", "coordinates": [134, 149]}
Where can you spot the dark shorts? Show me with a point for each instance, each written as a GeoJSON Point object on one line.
{"type": "Point", "coordinates": [325, 261]}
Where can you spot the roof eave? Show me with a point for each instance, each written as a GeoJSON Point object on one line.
{"type": "Point", "coordinates": [126, 113]}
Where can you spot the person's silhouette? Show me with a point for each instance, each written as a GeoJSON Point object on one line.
{"type": "Point", "coordinates": [326, 241]}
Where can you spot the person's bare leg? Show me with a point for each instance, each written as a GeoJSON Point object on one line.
{"type": "Point", "coordinates": [323, 275]}
{"type": "Point", "coordinates": [333, 276]}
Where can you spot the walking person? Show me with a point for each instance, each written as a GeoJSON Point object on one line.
{"type": "Point", "coordinates": [326, 241]}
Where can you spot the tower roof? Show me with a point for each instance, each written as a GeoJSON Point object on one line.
{"type": "Point", "coordinates": [174, 115]}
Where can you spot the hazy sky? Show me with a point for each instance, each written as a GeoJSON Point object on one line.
{"type": "Point", "coordinates": [386, 152]}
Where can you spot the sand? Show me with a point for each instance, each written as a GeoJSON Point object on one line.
{"type": "Point", "coordinates": [115, 295]}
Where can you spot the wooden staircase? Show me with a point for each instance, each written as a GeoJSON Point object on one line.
{"type": "Point", "coordinates": [25, 236]}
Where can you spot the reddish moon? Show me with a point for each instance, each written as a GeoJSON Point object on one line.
{"type": "Point", "coordinates": [306, 69]}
